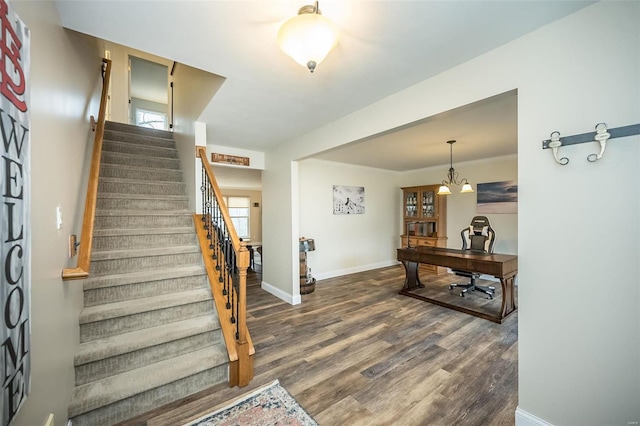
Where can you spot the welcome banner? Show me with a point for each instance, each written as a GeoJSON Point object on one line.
{"type": "Point", "coordinates": [15, 246]}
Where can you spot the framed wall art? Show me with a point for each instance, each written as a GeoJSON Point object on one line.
{"type": "Point", "coordinates": [498, 197]}
{"type": "Point", "coordinates": [348, 199]}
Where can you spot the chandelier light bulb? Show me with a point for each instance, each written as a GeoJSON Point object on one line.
{"type": "Point", "coordinates": [444, 190]}
{"type": "Point", "coordinates": [466, 188]}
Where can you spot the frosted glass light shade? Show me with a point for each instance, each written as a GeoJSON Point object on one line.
{"type": "Point", "coordinates": [466, 188]}
{"type": "Point", "coordinates": [444, 190]}
{"type": "Point", "coordinates": [308, 38]}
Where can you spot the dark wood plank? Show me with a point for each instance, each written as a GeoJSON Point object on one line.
{"type": "Point", "coordinates": [356, 352]}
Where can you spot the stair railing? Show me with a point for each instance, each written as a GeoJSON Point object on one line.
{"type": "Point", "coordinates": [227, 261]}
{"type": "Point", "coordinates": [86, 237]}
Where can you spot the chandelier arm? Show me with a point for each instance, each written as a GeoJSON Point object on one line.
{"type": "Point", "coordinates": [452, 175]}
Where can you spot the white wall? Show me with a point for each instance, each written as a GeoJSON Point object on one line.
{"type": "Point", "coordinates": [578, 344]}
{"type": "Point", "coordinates": [280, 228]}
{"type": "Point", "coordinates": [65, 73]}
{"type": "Point", "coordinates": [348, 243]}
{"type": "Point", "coordinates": [193, 90]}
{"type": "Point", "coordinates": [462, 207]}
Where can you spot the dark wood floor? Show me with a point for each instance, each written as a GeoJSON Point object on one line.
{"type": "Point", "coordinates": [357, 353]}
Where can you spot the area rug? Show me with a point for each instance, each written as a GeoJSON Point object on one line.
{"type": "Point", "coordinates": [269, 405]}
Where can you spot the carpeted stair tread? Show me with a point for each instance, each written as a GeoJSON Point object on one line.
{"type": "Point", "coordinates": [146, 304]}
{"type": "Point", "coordinates": [113, 280]}
{"type": "Point", "coordinates": [170, 160]}
{"type": "Point", "coordinates": [139, 339]}
{"type": "Point", "coordinates": [138, 139]}
{"type": "Point", "coordinates": [139, 181]}
{"type": "Point", "coordinates": [142, 196]}
{"type": "Point", "coordinates": [113, 213]}
{"type": "Point", "coordinates": [141, 231]}
{"type": "Point", "coordinates": [132, 148]}
{"type": "Point", "coordinates": [153, 197]}
{"type": "Point", "coordinates": [115, 388]}
{"type": "Point", "coordinates": [137, 130]}
{"type": "Point", "coordinates": [160, 251]}
{"type": "Point", "coordinates": [143, 173]}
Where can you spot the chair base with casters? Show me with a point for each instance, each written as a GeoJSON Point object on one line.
{"type": "Point", "coordinates": [490, 291]}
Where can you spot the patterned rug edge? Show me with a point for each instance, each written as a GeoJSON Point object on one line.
{"type": "Point", "coordinates": [207, 419]}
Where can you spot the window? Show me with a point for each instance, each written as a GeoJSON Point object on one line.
{"type": "Point", "coordinates": [152, 119]}
{"type": "Point", "coordinates": [239, 212]}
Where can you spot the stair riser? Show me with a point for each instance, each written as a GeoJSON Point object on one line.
{"type": "Point", "coordinates": [141, 204]}
{"type": "Point", "coordinates": [147, 151]}
{"type": "Point", "coordinates": [139, 161]}
{"type": "Point", "coordinates": [162, 175]}
{"type": "Point", "coordinates": [115, 266]}
{"type": "Point", "coordinates": [143, 241]}
{"type": "Point", "coordinates": [151, 399]}
{"type": "Point", "coordinates": [124, 187]}
{"type": "Point", "coordinates": [137, 130]}
{"type": "Point", "coordinates": [111, 327]}
{"type": "Point", "coordinates": [131, 222]}
{"type": "Point", "coordinates": [119, 293]}
{"type": "Point", "coordinates": [118, 364]}
{"type": "Point", "coordinates": [140, 140]}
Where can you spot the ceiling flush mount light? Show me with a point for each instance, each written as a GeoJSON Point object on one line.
{"type": "Point", "coordinates": [452, 177]}
{"type": "Point", "coordinates": [308, 37]}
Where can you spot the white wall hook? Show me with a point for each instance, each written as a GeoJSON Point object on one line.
{"type": "Point", "coordinates": [555, 144]}
{"type": "Point", "coordinates": [601, 136]}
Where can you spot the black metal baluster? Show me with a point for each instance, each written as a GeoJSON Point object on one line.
{"type": "Point", "coordinates": [213, 243]}
{"type": "Point", "coordinates": [227, 276]}
{"type": "Point", "coordinates": [203, 187]}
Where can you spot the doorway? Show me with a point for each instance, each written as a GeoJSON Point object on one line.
{"type": "Point", "coordinates": [148, 94]}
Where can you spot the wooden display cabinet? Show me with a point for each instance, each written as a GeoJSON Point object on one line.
{"type": "Point", "coordinates": [424, 221]}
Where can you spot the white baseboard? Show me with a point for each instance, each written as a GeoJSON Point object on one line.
{"type": "Point", "coordinates": [290, 299]}
{"type": "Point", "coordinates": [527, 419]}
{"type": "Point", "coordinates": [355, 269]}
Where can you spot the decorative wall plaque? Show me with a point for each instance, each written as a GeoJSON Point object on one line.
{"type": "Point", "coordinates": [229, 159]}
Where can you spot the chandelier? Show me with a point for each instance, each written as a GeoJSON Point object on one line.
{"type": "Point", "coordinates": [308, 37]}
{"type": "Point", "coordinates": [452, 177]}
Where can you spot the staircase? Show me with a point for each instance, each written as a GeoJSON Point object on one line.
{"type": "Point", "coordinates": [149, 331]}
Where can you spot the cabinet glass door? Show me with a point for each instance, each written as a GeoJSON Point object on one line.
{"type": "Point", "coordinates": [411, 204]}
{"type": "Point", "coordinates": [428, 204]}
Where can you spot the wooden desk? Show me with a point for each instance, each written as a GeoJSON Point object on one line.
{"type": "Point", "coordinates": [501, 266]}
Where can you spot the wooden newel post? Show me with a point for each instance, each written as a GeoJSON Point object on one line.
{"type": "Point", "coordinates": [245, 361]}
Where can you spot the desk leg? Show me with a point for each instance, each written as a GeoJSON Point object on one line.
{"type": "Point", "coordinates": [412, 279]}
{"type": "Point", "coordinates": [508, 296]}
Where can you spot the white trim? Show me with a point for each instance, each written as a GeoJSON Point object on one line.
{"type": "Point", "coordinates": [290, 299]}
{"type": "Point", "coordinates": [355, 269]}
{"type": "Point", "coordinates": [527, 419]}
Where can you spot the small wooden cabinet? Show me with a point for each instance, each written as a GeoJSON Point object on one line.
{"type": "Point", "coordinates": [424, 220]}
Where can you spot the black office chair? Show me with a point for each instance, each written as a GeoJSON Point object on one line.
{"type": "Point", "coordinates": [478, 237]}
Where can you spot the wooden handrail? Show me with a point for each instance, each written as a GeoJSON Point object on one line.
{"type": "Point", "coordinates": [238, 342]}
{"type": "Point", "coordinates": [86, 237]}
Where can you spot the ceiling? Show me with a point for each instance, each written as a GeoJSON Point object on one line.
{"type": "Point", "coordinates": [385, 46]}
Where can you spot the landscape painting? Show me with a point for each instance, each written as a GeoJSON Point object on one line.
{"type": "Point", "coordinates": [498, 197]}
